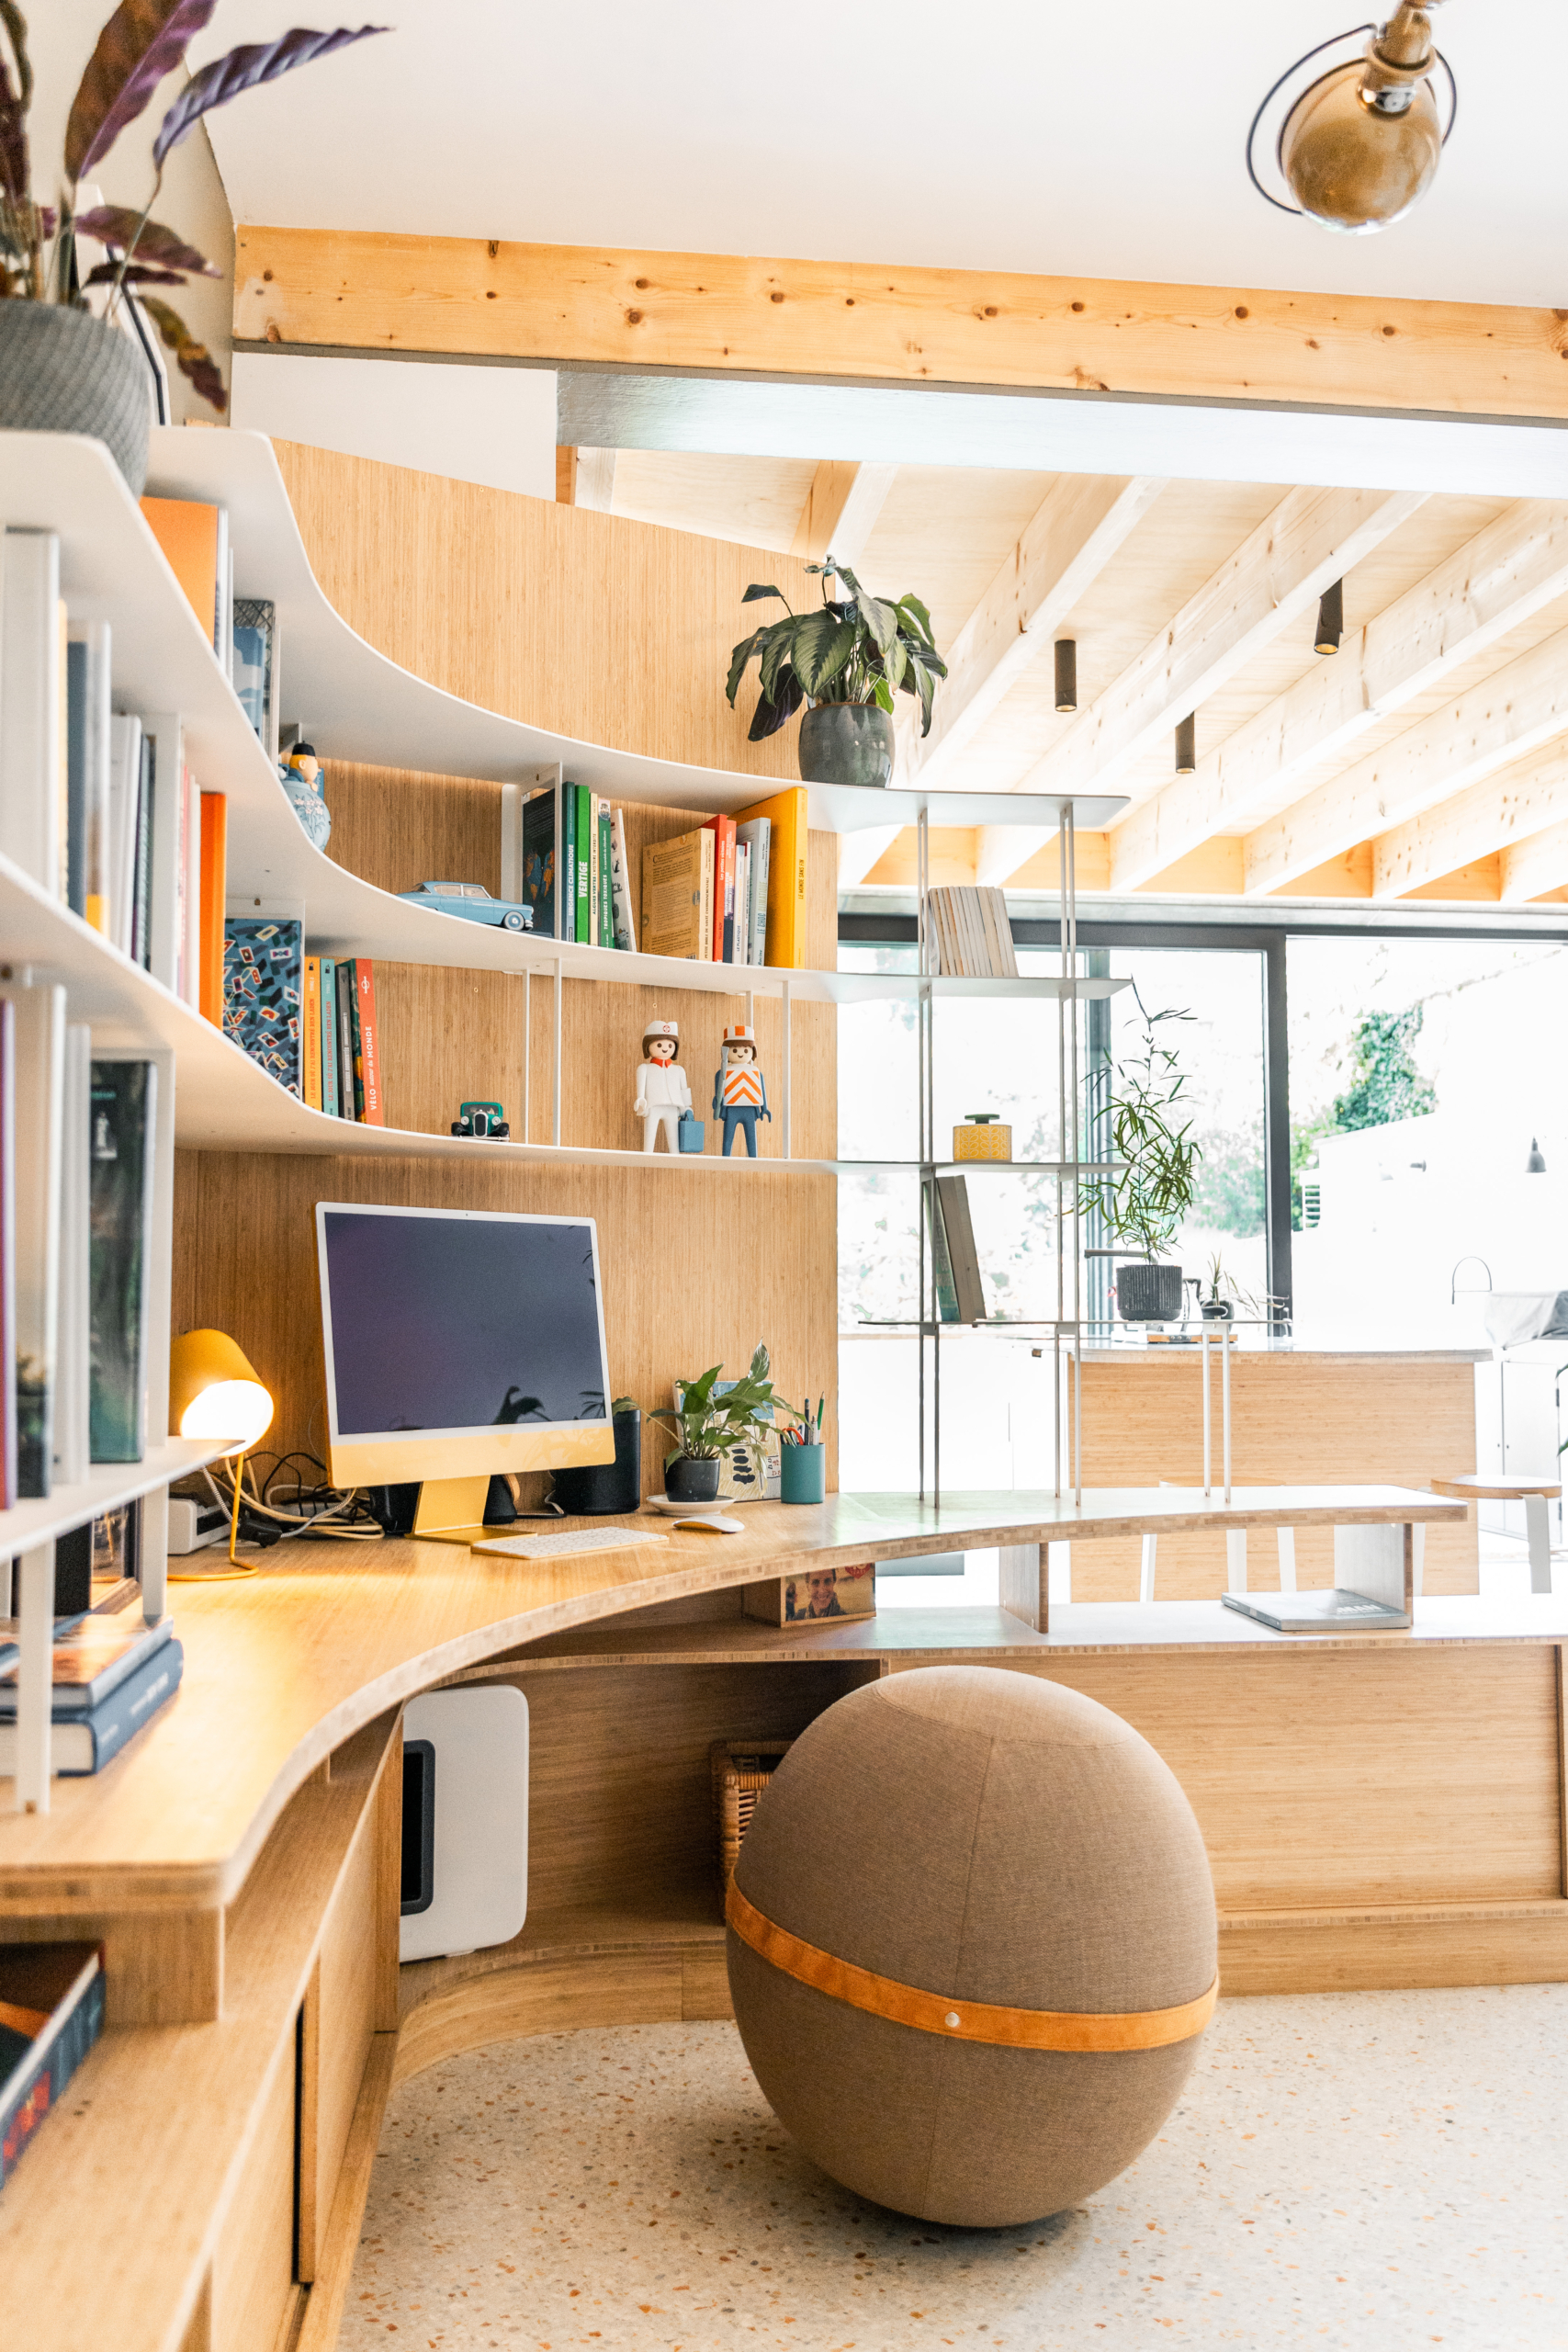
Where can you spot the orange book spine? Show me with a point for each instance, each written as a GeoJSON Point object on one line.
{"type": "Point", "coordinates": [374, 1113]}
{"type": "Point", "coordinates": [186, 530]}
{"type": "Point", "coordinates": [214, 885]}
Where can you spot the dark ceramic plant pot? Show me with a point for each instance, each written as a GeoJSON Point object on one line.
{"type": "Point", "coordinates": [686, 1481]}
{"type": "Point", "coordinates": [846, 742]}
{"type": "Point", "coordinates": [1147, 1294]}
{"type": "Point", "coordinates": [65, 371]}
{"type": "Point", "coordinates": [598, 1490]}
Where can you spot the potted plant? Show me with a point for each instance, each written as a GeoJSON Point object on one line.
{"type": "Point", "coordinates": [846, 661]}
{"type": "Point", "coordinates": [1144, 1201]}
{"type": "Point", "coordinates": [63, 368]}
{"type": "Point", "coordinates": [708, 1420]}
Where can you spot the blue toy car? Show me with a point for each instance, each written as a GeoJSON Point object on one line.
{"type": "Point", "coordinates": [473, 903]}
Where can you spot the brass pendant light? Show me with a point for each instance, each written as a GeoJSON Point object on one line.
{"type": "Point", "coordinates": [1361, 144]}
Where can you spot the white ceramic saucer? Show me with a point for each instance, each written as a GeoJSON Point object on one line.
{"type": "Point", "coordinates": [696, 1515]}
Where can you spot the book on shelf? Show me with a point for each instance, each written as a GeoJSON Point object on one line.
{"type": "Point", "coordinates": [789, 844]}
{"type": "Point", "coordinates": [73, 1355]}
{"type": "Point", "coordinates": [723, 831]}
{"type": "Point", "coordinates": [254, 667]}
{"type": "Point", "coordinates": [97, 1568]}
{"type": "Point", "coordinates": [540, 859]}
{"type": "Point", "coordinates": [310, 1031]}
{"type": "Point", "coordinates": [677, 896]}
{"type": "Point", "coordinates": [195, 540]}
{"type": "Point", "coordinates": [332, 1100]}
{"type": "Point", "coordinates": [214, 885]}
{"type": "Point", "coordinates": [972, 936]}
{"type": "Point", "coordinates": [755, 837]}
{"type": "Point", "coordinates": [345, 1109]}
{"type": "Point", "coordinates": [52, 2012]}
{"type": "Point", "coordinates": [37, 1111]}
{"type": "Point", "coordinates": [623, 928]}
{"type": "Point", "coordinates": [262, 984]}
{"type": "Point", "coordinates": [605, 902]}
{"type": "Point", "coordinates": [954, 1259]}
{"type": "Point", "coordinates": [87, 764]}
{"type": "Point", "coordinates": [191, 945]}
{"type": "Point", "coordinates": [369, 1106]}
{"type": "Point", "coordinates": [585, 839]}
{"type": "Point", "coordinates": [81, 1744]}
{"type": "Point", "coordinates": [124, 1109]}
{"type": "Point", "coordinates": [92, 1656]}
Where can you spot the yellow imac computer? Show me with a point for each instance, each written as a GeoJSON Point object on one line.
{"type": "Point", "coordinates": [461, 1344]}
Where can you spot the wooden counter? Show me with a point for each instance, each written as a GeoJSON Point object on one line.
{"type": "Point", "coordinates": [1379, 1809]}
{"type": "Point", "coordinates": [1302, 1414]}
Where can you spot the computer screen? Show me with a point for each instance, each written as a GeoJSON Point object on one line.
{"type": "Point", "coordinates": [460, 1341]}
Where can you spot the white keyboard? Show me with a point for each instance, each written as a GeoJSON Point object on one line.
{"type": "Point", "coordinates": [553, 1546]}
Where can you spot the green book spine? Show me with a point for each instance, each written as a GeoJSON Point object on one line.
{"type": "Point", "coordinates": [569, 862]}
{"type": "Point", "coordinates": [584, 800]}
{"type": "Point", "coordinates": [607, 857]}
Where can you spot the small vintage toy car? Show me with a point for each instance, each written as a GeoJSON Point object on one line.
{"type": "Point", "coordinates": [473, 903]}
{"type": "Point", "coordinates": [481, 1119]}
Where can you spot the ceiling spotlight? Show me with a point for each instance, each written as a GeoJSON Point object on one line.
{"type": "Point", "coordinates": [1066, 673]}
{"type": "Point", "coordinates": [1330, 620]}
{"type": "Point", "coordinates": [1359, 144]}
{"type": "Point", "coordinates": [1186, 744]}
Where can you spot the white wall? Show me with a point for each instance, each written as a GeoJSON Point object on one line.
{"type": "Point", "coordinates": [494, 426]}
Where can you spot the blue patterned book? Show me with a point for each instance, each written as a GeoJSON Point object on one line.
{"type": "Point", "coordinates": [263, 989]}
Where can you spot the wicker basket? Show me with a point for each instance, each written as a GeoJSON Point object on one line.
{"type": "Point", "coordinates": [741, 1770]}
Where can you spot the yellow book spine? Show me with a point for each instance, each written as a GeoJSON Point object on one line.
{"type": "Point", "coordinates": [787, 874]}
{"type": "Point", "coordinates": [310, 1033]}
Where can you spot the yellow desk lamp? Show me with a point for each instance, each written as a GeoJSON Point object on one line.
{"type": "Point", "coordinates": [214, 1392]}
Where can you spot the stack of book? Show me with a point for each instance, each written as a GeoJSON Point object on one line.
{"type": "Point", "coordinates": [341, 1040]}
{"type": "Point", "coordinates": [574, 868]}
{"type": "Point", "coordinates": [52, 2012]}
{"type": "Point", "coordinates": [734, 890]}
{"type": "Point", "coordinates": [112, 1674]}
{"type": "Point", "coordinates": [974, 937]}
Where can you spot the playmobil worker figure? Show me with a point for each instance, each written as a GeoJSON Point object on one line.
{"type": "Point", "coordinates": [738, 1088]}
{"type": "Point", "coordinates": [662, 1093]}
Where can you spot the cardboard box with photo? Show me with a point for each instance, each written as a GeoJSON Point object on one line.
{"type": "Point", "coordinates": [813, 1597]}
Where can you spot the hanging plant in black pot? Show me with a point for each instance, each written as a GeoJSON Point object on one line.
{"type": "Point", "coordinates": [1144, 1201]}
{"type": "Point", "coordinates": [844, 662]}
{"type": "Point", "coordinates": [63, 367]}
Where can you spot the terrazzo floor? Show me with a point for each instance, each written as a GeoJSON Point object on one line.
{"type": "Point", "coordinates": [1377, 2170]}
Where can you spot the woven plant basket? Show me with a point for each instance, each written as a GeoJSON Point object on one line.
{"type": "Point", "coordinates": [65, 371]}
{"type": "Point", "coordinates": [741, 1770]}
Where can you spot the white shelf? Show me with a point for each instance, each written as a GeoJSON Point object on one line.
{"type": "Point", "coordinates": [360, 706]}
{"type": "Point", "coordinates": [105, 1487]}
{"type": "Point", "coordinates": [980, 1167]}
{"type": "Point", "coordinates": [870, 987]}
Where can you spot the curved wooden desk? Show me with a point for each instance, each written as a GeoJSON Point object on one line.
{"type": "Point", "coordinates": [1379, 1809]}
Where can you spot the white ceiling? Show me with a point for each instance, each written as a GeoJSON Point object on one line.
{"type": "Point", "coordinates": [1040, 135]}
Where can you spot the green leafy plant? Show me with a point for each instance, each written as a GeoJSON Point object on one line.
{"type": "Point", "coordinates": [707, 1422]}
{"type": "Point", "coordinates": [142, 41]}
{"type": "Point", "coordinates": [857, 649]}
{"type": "Point", "coordinates": [1149, 1194]}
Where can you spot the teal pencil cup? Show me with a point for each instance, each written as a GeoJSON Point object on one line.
{"type": "Point", "coordinates": [802, 1473]}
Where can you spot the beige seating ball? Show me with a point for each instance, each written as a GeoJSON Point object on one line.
{"type": "Point", "coordinates": [972, 1944]}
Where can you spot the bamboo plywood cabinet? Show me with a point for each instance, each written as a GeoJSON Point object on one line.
{"type": "Point", "coordinates": [360, 290]}
{"type": "Point", "coordinates": [590, 624]}
{"type": "Point", "coordinates": [254, 2288]}
{"type": "Point", "coordinates": [1338, 1420]}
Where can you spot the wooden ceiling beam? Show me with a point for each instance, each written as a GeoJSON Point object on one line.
{"type": "Point", "coordinates": [1492, 584]}
{"type": "Point", "coordinates": [1081, 522]}
{"type": "Point", "coordinates": [1496, 722]}
{"type": "Point", "coordinates": [337, 290]}
{"type": "Point", "coordinates": [1474, 824]}
{"type": "Point", "coordinates": [1278, 572]}
{"type": "Point", "coordinates": [841, 510]}
{"type": "Point", "coordinates": [1535, 868]}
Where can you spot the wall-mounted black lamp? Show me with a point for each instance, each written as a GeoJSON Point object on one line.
{"type": "Point", "coordinates": [1186, 744]}
{"type": "Point", "coordinates": [1330, 620]}
{"type": "Point", "coordinates": [1066, 673]}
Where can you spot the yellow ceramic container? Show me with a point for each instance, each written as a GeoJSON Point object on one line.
{"type": "Point", "coordinates": [981, 1137]}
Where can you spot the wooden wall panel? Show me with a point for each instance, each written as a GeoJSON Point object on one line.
{"type": "Point", "coordinates": [593, 625]}
{"type": "Point", "coordinates": [1332, 1780]}
{"type": "Point", "coordinates": [345, 2008]}
{"type": "Point", "coordinates": [1295, 1421]}
{"type": "Point", "coordinates": [696, 1268]}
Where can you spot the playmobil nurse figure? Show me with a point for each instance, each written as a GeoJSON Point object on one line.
{"type": "Point", "coordinates": [662, 1093]}
{"type": "Point", "coordinates": [739, 1093]}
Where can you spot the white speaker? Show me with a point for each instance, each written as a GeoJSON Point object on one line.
{"type": "Point", "coordinates": [465, 1875]}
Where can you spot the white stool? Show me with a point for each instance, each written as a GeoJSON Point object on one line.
{"type": "Point", "coordinates": [1236, 1559]}
{"type": "Point", "coordinates": [1476, 1487]}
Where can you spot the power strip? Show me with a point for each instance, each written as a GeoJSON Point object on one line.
{"type": "Point", "coordinates": [193, 1524]}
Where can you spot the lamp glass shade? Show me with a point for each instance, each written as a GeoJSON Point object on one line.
{"type": "Point", "coordinates": [214, 1391]}
{"type": "Point", "coordinates": [1353, 167]}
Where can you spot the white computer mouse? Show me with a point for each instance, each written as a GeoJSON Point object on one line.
{"type": "Point", "coordinates": [712, 1524]}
